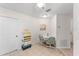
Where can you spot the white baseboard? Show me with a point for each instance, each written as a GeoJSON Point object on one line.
{"type": "Point", "coordinates": [9, 52]}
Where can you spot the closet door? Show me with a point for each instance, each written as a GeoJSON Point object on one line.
{"type": "Point", "coordinates": [63, 31]}
{"type": "Point", "coordinates": [9, 35]}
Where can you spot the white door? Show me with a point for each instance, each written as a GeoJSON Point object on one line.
{"type": "Point", "coordinates": [63, 31]}
{"type": "Point", "coordinates": [9, 28]}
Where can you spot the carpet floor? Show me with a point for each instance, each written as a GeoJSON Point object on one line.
{"type": "Point", "coordinates": [39, 50]}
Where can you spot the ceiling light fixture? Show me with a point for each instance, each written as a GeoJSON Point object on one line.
{"type": "Point", "coordinates": [40, 5]}
{"type": "Point", "coordinates": [45, 15]}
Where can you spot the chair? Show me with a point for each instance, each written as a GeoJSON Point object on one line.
{"type": "Point", "coordinates": [51, 42]}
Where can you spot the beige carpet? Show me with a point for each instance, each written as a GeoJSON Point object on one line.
{"type": "Point", "coordinates": [67, 52]}
{"type": "Point", "coordinates": [39, 50]}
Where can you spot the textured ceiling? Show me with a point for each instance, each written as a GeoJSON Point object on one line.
{"type": "Point", "coordinates": [32, 9]}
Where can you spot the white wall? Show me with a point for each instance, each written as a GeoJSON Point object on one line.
{"type": "Point", "coordinates": [29, 22]}
{"type": "Point", "coordinates": [53, 22]}
{"type": "Point", "coordinates": [76, 29]}
{"type": "Point", "coordinates": [44, 21]}
{"type": "Point", "coordinates": [32, 23]}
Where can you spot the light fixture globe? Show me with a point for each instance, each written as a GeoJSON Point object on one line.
{"type": "Point", "coordinates": [45, 15]}
{"type": "Point", "coordinates": [40, 5]}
